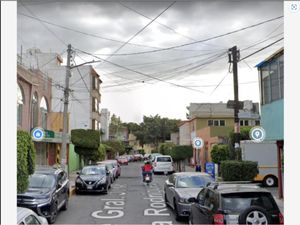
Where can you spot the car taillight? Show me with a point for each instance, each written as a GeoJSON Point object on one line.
{"type": "Point", "coordinates": [281, 219]}
{"type": "Point", "coordinates": [219, 219]}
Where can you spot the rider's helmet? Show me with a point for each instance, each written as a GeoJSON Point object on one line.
{"type": "Point", "coordinates": [147, 162]}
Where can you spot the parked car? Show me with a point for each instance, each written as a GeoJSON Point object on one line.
{"type": "Point", "coordinates": [122, 160]}
{"type": "Point", "coordinates": [153, 155]}
{"type": "Point", "coordinates": [111, 169]}
{"type": "Point", "coordinates": [163, 163]}
{"type": "Point", "coordinates": [93, 179]}
{"type": "Point", "coordinates": [26, 216]}
{"type": "Point", "coordinates": [116, 167]}
{"type": "Point", "coordinates": [137, 157]}
{"type": "Point", "coordinates": [234, 204]}
{"type": "Point", "coordinates": [47, 193]}
{"type": "Point", "coordinates": [182, 186]}
{"type": "Point", "coordinates": [146, 156]}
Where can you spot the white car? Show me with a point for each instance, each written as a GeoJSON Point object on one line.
{"type": "Point", "coordinates": [163, 163]}
{"type": "Point", "coordinates": [27, 216]}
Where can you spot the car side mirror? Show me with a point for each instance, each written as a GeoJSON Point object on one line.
{"type": "Point", "coordinates": [192, 200]}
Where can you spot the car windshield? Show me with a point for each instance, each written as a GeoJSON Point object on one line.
{"type": "Point", "coordinates": [193, 181]}
{"type": "Point", "coordinates": [41, 181]}
{"type": "Point", "coordinates": [164, 159]}
{"type": "Point", "coordinates": [95, 170]}
{"type": "Point", "coordinates": [238, 202]}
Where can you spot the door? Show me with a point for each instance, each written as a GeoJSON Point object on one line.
{"type": "Point", "coordinates": [197, 212]}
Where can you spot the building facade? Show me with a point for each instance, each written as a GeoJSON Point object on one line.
{"type": "Point", "coordinates": [271, 81]}
{"type": "Point", "coordinates": [213, 122]}
{"type": "Point", "coordinates": [104, 121]}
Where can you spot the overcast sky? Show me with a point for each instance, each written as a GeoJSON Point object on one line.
{"type": "Point", "coordinates": [147, 76]}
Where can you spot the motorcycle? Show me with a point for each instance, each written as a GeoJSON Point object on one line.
{"type": "Point", "coordinates": [147, 179]}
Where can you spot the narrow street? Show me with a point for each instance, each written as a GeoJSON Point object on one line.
{"type": "Point", "coordinates": [128, 202]}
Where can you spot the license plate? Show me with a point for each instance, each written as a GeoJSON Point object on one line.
{"type": "Point", "coordinates": [90, 187]}
{"type": "Point", "coordinates": [147, 178]}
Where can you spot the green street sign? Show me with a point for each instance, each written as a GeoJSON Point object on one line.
{"type": "Point", "coordinates": [49, 134]}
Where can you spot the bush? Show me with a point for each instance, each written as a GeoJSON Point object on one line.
{"type": "Point", "coordinates": [219, 153]}
{"type": "Point", "coordinates": [181, 152]}
{"type": "Point", "coordinates": [233, 170]}
{"type": "Point", "coordinates": [165, 148]}
{"type": "Point", "coordinates": [85, 138]}
{"type": "Point", "coordinates": [25, 160]}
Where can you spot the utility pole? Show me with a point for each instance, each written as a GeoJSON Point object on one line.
{"type": "Point", "coordinates": [63, 152]}
{"type": "Point", "coordinates": [234, 56]}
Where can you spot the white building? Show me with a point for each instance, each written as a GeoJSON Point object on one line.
{"type": "Point", "coordinates": [85, 96]}
{"type": "Point", "coordinates": [105, 120]}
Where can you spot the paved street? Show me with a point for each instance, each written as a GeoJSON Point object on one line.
{"type": "Point", "coordinates": [129, 201]}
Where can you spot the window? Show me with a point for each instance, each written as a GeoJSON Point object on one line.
{"type": "Point", "coordinates": [241, 122]}
{"type": "Point", "coordinates": [222, 123]}
{"type": "Point", "coordinates": [34, 110]}
{"type": "Point", "coordinates": [272, 76]}
{"type": "Point", "coordinates": [257, 122]}
{"type": "Point", "coordinates": [216, 122]}
{"type": "Point", "coordinates": [210, 122]}
{"type": "Point", "coordinates": [95, 105]}
{"type": "Point", "coordinates": [201, 197]}
{"type": "Point", "coordinates": [44, 112]}
{"type": "Point", "coordinates": [20, 103]}
{"type": "Point", "coordinates": [246, 122]}
{"type": "Point", "coordinates": [31, 220]}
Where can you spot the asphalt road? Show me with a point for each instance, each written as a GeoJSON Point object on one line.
{"type": "Point", "coordinates": [129, 201]}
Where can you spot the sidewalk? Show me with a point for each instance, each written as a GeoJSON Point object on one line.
{"type": "Point", "coordinates": [280, 202]}
{"type": "Point", "coordinates": [72, 177]}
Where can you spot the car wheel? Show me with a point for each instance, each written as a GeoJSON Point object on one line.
{"type": "Point", "coordinates": [65, 205]}
{"type": "Point", "coordinates": [254, 215]}
{"type": "Point", "coordinates": [270, 181]}
{"type": "Point", "coordinates": [53, 215]}
{"type": "Point", "coordinates": [177, 216]}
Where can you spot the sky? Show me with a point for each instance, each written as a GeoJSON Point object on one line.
{"type": "Point", "coordinates": [142, 70]}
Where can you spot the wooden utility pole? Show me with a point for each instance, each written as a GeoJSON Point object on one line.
{"type": "Point", "coordinates": [63, 152]}
{"type": "Point", "coordinates": [234, 56]}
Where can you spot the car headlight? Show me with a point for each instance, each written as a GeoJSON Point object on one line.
{"type": "Point", "coordinates": [183, 200]}
{"type": "Point", "coordinates": [43, 201]}
{"type": "Point", "coordinates": [102, 181]}
{"type": "Point", "coordinates": [79, 181]}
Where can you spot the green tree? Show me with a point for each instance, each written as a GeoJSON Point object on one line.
{"type": "Point", "coordinates": [25, 160]}
{"type": "Point", "coordinates": [166, 148]}
{"type": "Point", "coordinates": [244, 135]}
{"type": "Point", "coordinates": [116, 127]}
{"type": "Point", "coordinates": [115, 146]}
{"type": "Point", "coordinates": [180, 153]}
{"type": "Point", "coordinates": [219, 153]}
{"type": "Point", "coordinates": [86, 143]}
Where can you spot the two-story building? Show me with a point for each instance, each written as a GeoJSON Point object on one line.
{"type": "Point", "coordinates": [271, 81]}
{"type": "Point", "coordinates": [213, 122]}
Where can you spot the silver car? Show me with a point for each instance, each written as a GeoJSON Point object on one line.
{"type": "Point", "coordinates": [182, 186]}
{"type": "Point", "coordinates": [27, 216]}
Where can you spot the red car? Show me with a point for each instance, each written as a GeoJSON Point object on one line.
{"type": "Point", "coordinates": [123, 160]}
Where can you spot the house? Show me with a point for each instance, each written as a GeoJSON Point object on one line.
{"type": "Point", "coordinates": [213, 122]}
{"type": "Point", "coordinates": [34, 92]}
{"type": "Point", "coordinates": [271, 82]}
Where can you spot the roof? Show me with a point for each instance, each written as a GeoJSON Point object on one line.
{"type": "Point", "coordinates": [239, 188]}
{"type": "Point", "coordinates": [270, 58]}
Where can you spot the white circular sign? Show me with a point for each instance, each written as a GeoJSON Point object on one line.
{"type": "Point", "coordinates": [257, 134]}
{"type": "Point", "coordinates": [38, 134]}
{"type": "Point", "coordinates": [197, 143]}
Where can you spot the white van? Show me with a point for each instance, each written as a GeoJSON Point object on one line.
{"type": "Point", "coordinates": [163, 163]}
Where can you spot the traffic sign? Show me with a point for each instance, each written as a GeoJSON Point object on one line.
{"type": "Point", "coordinates": [257, 134]}
{"type": "Point", "coordinates": [198, 143]}
{"type": "Point", "coordinates": [38, 134]}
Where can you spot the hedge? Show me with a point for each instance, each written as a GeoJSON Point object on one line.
{"type": "Point", "coordinates": [219, 153]}
{"type": "Point", "coordinates": [85, 138]}
{"type": "Point", "coordinates": [233, 170]}
{"type": "Point", "coordinates": [25, 160]}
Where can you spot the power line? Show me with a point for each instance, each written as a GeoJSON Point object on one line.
{"type": "Point", "coordinates": [163, 25]}
{"type": "Point", "coordinates": [140, 31]}
{"type": "Point", "coordinates": [261, 49]}
{"type": "Point", "coordinates": [196, 42]}
{"type": "Point", "coordinates": [47, 28]}
{"type": "Point", "coordinates": [146, 75]}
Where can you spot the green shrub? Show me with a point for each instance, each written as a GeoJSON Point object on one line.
{"type": "Point", "coordinates": [85, 138]}
{"type": "Point", "coordinates": [219, 153]}
{"type": "Point", "coordinates": [233, 170]}
{"type": "Point", "coordinates": [181, 152]}
{"type": "Point", "coordinates": [165, 148]}
{"type": "Point", "coordinates": [25, 160]}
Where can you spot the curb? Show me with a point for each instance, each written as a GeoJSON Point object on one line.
{"type": "Point", "coordinates": [71, 191]}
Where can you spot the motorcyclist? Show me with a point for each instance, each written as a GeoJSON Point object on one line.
{"type": "Point", "coordinates": [147, 169]}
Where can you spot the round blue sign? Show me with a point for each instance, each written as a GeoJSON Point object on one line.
{"type": "Point", "coordinates": [257, 134]}
{"type": "Point", "coordinates": [38, 134]}
{"type": "Point", "coordinates": [198, 143]}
